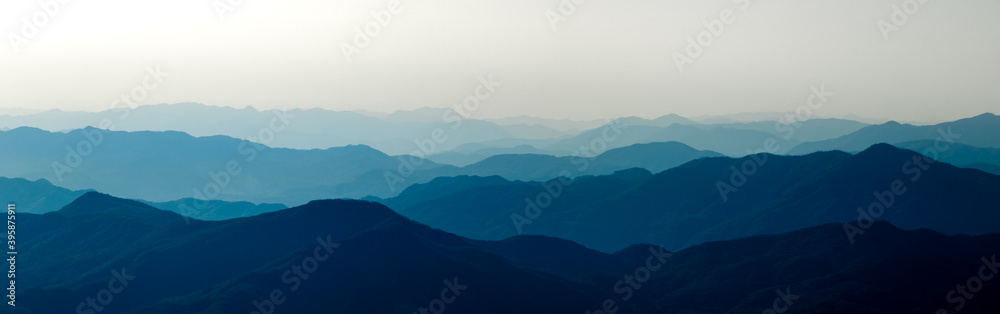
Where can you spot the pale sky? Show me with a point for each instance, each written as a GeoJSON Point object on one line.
{"type": "Point", "coordinates": [608, 58]}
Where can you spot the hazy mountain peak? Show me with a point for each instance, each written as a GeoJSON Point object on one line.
{"type": "Point", "coordinates": [44, 182]}
{"type": "Point", "coordinates": [674, 118]}
{"type": "Point", "coordinates": [96, 203]}
{"type": "Point", "coordinates": [423, 114]}
{"type": "Point", "coordinates": [26, 130]}
{"type": "Point", "coordinates": [90, 199]}
{"type": "Point", "coordinates": [358, 148]}
{"type": "Point", "coordinates": [985, 117]}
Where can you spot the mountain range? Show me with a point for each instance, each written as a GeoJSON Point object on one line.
{"type": "Point", "coordinates": [400, 132]}
{"type": "Point", "coordinates": [299, 128]}
{"type": "Point", "coordinates": [975, 131]}
{"type": "Point", "coordinates": [712, 199]}
{"type": "Point", "coordinates": [175, 165]}
{"type": "Point", "coordinates": [168, 166]}
{"type": "Point", "coordinates": [354, 256]}
{"type": "Point", "coordinates": [40, 196]}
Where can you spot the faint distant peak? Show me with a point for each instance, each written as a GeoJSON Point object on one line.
{"type": "Point", "coordinates": [22, 130]}
{"type": "Point", "coordinates": [99, 204]}
{"type": "Point", "coordinates": [989, 116]}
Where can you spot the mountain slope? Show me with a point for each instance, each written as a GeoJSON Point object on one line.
{"type": "Point", "coordinates": [169, 257]}
{"type": "Point", "coordinates": [299, 128]}
{"type": "Point", "coordinates": [804, 131]}
{"type": "Point", "coordinates": [359, 257]}
{"type": "Point", "coordinates": [215, 210]}
{"type": "Point", "coordinates": [162, 167]}
{"type": "Point", "coordinates": [460, 159]}
{"type": "Point", "coordinates": [166, 166]}
{"type": "Point", "coordinates": [36, 197]}
{"type": "Point", "coordinates": [690, 204]}
{"type": "Point", "coordinates": [974, 131]}
{"type": "Point", "coordinates": [731, 142]}
{"type": "Point", "coordinates": [40, 196]}
{"type": "Point", "coordinates": [890, 271]}
{"type": "Point", "coordinates": [957, 154]}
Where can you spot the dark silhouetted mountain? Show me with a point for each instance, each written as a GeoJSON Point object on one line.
{"type": "Point", "coordinates": [224, 266]}
{"type": "Point", "coordinates": [683, 206]}
{"type": "Point", "coordinates": [890, 271]}
{"type": "Point", "coordinates": [976, 131]}
{"type": "Point", "coordinates": [360, 257]}
{"type": "Point", "coordinates": [557, 256]}
{"type": "Point", "coordinates": [988, 168]}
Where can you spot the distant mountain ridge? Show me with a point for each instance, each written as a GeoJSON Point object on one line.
{"type": "Point", "coordinates": [40, 196]}
{"type": "Point", "coordinates": [975, 131]}
{"type": "Point", "coordinates": [391, 133]}
{"type": "Point", "coordinates": [300, 128]}
{"type": "Point", "coordinates": [167, 166]}
{"type": "Point", "coordinates": [36, 197]}
{"type": "Point", "coordinates": [962, 155]}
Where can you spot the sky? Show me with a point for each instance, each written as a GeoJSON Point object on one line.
{"type": "Point", "coordinates": [593, 60]}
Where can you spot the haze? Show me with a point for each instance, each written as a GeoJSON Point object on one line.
{"type": "Point", "coordinates": [609, 58]}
